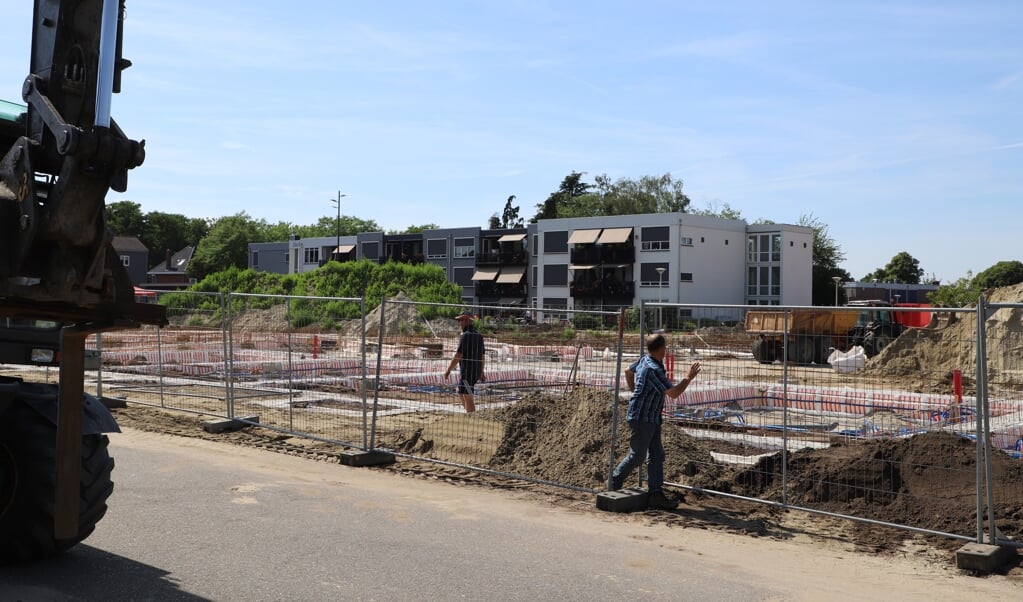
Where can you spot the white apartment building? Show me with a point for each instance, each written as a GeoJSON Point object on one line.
{"type": "Point", "coordinates": [603, 263]}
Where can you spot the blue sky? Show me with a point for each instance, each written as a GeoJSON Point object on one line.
{"type": "Point", "coordinates": [895, 123]}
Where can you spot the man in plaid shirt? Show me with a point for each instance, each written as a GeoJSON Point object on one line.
{"type": "Point", "coordinates": [649, 384]}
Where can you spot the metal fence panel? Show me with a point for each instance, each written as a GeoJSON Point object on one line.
{"type": "Point", "coordinates": [180, 366]}
{"type": "Point", "coordinates": [883, 435]}
{"type": "Point", "coordinates": [1000, 496]}
{"type": "Point", "coordinates": [298, 363]}
{"type": "Point", "coordinates": [544, 380]}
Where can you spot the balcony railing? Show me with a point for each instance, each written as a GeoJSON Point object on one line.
{"type": "Point", "coordinates": [503, 258]}
{"type": "Point", "coordinates": [603, 290]}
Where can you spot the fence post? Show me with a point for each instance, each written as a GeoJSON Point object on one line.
{"type": "Point", "coordinates": [159, 363]}
{"type": "Point", "coordinates": [983, 423]}
{"type": "Point", "coordinates": [614, 400]}
{"type": "Point", "coordinates": [99, 368]}
{"type": "Point", "coordinates": [291, 383]}
{"type": "Point", "coordinates": [228, 327]}
{"type": "Point", "coordinates": [785, 406]}
{"type": "Point", "coordinates": [362, 386]}
{"type": "Point", "coordinates": [376, 388]}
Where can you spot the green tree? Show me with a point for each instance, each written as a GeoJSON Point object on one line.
{"type": "Point", "coordinates": [960, 293]}
{"type": "Point", "coordinates": [226, 245]}
{"type": "Point", "coordinates": [649, 194]}
{"type": "Point", "coordinates": [172, 232]}
{"type": "Point", "coordinates": [124, 218]}
{"type": "Point", "coordinates": [827, 254]}
{"type": "Point", "coordinates": [903, 267]}
{"type": "Point", "coordinates": [510, 216]}
{"type": "Point", "coordinates": [723, 210]}
{"type": "Point", "coordinates": [625, 196]}
{"type": "Point", "coordinates": [571, 187]}
{"type": "Point", "coordinates": [414, 229]}
{"type": "Point", "coordinates": [1003, 273]}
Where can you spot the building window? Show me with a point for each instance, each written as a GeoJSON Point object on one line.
{"type": "Point", "coordinates": [555, 242]}
{"type": "Point", "coordinates": [371, 251]}
{"type": "Point", "coordinates": [463, 276]}
{"type": "Point", "coordinates": [654, 238]}
{"type": "Point", "coordinates": [536, 245]}
{"type": "Point", "coordinates": [763, 248]}
{"type": "Point", "coordinates": [686, 241]}
{"type": "Point", "coordinates": [685, 277]}
{"type": "Point", "coordinates": [437, 248]}
{"type": "Point", "coordinates": [555, 303]}
{"type": "Point", "coordinates": [764, 281]}
{"type": "Point", "coordinates": [649, 276]}
{"type": "Point", "coordinates": [555, 275]}
{"type": "Point", "coordinates": [464, 248]}
{"type": "Point", "coordinates": [125, 260]}
{"type": "Point", "coordinates": [255, 259]}
{"type": "Point", "coordinates": [536, 271]}
{"type": "Point", "coordinates": [312, 255]}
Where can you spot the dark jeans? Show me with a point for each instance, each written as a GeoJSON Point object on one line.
{"type": "Point", "coordinates": [644, 444]}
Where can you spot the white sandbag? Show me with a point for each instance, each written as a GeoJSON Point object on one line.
{"type": "Point", "coordinates": [848, 361]}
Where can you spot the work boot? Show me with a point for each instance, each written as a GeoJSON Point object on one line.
{"type": "Point", "coordinates": [657, 499]}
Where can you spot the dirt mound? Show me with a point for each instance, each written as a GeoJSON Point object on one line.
{"type": "Point", "coordinates": [566, 440]}
{"type": "Point", "coordinates": [940, 351]}
{"type": "Point", "coordinates": [926, 481]}
{"type": "Point", "coordinates": [400, 314]}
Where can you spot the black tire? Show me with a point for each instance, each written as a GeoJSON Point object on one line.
{"type": "Point", "coordinates": [802, 351]}
{"type": "Point", "coordinates": [875, 343]}
{"type": "Point", "coordinates": [763, 351]}
{"type": "Point", "coordinates": [822, 350]}
{"type": "Point", "coordinates": [28, 485]}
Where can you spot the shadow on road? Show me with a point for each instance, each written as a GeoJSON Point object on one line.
{"type": "Point", "coordinates": [87, 573]}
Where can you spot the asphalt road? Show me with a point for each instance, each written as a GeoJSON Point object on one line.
{"type": "Point", "coordinates": [195, 520]}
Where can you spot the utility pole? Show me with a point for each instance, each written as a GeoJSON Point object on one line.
{"type": "Point", "coordinates": [337, 202]}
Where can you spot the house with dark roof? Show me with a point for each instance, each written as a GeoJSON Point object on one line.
{"type": "Point", "coordinates": [172, 273]}
{"type": "Point", "coordinates": [134, 257]}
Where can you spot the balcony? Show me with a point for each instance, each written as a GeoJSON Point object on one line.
{"type": "Point", "coordinates": [603, 255]}
{"type": "Point", "coordinates": [620, 291]}
{"type": "Point", "coordinates": [517, 257]}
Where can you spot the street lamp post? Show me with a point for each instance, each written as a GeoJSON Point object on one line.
{"type": "Point", "coordinates": [338, 203]}
{"type": "Point", "coordinates": [660, 293]}
{"type": "Point", "coordinates": [838, 281]}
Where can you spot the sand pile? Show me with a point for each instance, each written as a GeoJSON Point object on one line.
{"type": "Point", "coordinates": [932, 354]}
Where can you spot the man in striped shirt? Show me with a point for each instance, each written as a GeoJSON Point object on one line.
{"type": "Point", "coordinates": [649, 383]}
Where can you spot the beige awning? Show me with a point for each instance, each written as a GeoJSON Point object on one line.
{"type": "Point", "coordinates": [615, 235]}
{"type": "Point", "coordinates": [511, 275]}
{"type": "Point", "coordinates": [584, 237]}
{"type": "Point", "coordinates": [511, 238]}
{"type": "Point", "coordinates": [485, 274]}
{"type": "Point", "coordinates": [581, 267]}
{"type": "Point", "coordinates": [344, 249]}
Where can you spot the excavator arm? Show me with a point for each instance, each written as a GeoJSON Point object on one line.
{"type": "Point", "coordinates": [61, 154]}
